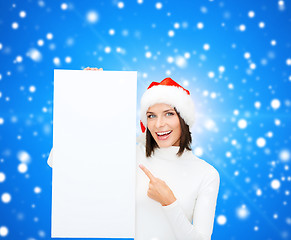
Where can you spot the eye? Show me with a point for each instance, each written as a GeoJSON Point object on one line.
{"type": "Point", "coordinates": [170, 113]}
{"type": "Point", "coordinates": [149, 116]}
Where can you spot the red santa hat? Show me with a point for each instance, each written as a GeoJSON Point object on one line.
{"type": "Point", "coordinates": [168, 92]}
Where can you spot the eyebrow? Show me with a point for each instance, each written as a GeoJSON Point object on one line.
{"type": "Point", "coordinates": [164, 111]}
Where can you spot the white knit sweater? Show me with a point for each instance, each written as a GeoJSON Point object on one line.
{"type": "Point", "coordinates": [195, 184]}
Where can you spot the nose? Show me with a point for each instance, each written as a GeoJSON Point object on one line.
{"type": "Point", "coordinates": [159, 122]}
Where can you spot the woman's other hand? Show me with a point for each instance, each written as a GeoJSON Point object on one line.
{"type": "Point", "coordinates": [158, 189]}
{"type": "Point", "coordinates": [94, 69]}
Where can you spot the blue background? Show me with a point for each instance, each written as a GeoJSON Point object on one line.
{"type": "Point", "coordinates": [240, 83]}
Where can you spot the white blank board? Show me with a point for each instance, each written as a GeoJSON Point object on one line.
{"type": "Point", "coordinates": [94, 142]}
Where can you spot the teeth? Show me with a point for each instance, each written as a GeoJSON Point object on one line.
{"type": "Point", "coordinates": [160, 134]}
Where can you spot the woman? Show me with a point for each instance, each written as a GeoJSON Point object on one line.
{"type": "Point", "coordinates": [176, 192]}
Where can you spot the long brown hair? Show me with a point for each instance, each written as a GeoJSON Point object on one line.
{"type": "Point", "coordinates": [185, 139]}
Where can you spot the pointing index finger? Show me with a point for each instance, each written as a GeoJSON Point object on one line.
{"type": "Point", "coordinates": [147, 172]}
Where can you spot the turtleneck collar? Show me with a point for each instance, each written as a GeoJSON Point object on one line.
{"type": "Point", "coordinates": [170, 153]}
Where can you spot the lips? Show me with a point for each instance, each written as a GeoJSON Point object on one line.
{"type": "Point", "coordinates": [164, 137]}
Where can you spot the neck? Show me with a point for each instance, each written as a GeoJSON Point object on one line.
{"type": "Point", "coordinates": [170, 153]}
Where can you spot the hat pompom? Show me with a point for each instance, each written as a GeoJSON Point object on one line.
{"type": "Point", "coordinates": [142, 126]}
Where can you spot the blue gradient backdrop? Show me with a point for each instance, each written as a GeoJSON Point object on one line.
{"type": "Point", "coordinates": [233, 56]}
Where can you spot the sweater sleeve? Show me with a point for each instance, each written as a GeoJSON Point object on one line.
{"type": "Point", "coordinates": [204, 212]}
{"type": "Point", "coordinates": [50, 158]}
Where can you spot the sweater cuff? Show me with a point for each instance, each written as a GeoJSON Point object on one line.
{"type": "Point", "coordinates": [171, 206]}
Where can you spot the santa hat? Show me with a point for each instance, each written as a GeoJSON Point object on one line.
{"type": "Point", "coordinates": [168, 92]}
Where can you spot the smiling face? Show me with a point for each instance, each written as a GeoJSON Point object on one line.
{"type": "Point", "coordinates": [162, 118]}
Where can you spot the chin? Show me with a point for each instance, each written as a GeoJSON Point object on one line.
{"type": "Point", "coordinates": [164, 145]}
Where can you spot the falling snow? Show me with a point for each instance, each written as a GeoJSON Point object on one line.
{"type": "Point", "coordinates": [233, 59]}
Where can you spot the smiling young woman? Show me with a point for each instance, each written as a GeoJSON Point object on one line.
{"type": "Point", "coordinates": [185, 186]}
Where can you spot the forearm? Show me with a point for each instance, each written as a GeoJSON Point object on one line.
{"type": "Point", "coordinates": [50, 159]}
{"type": "Point", "coordinates": [180, 224]}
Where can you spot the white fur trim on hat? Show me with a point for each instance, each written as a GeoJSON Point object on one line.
{"type": "Point", "coordinates": [174, 96]}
